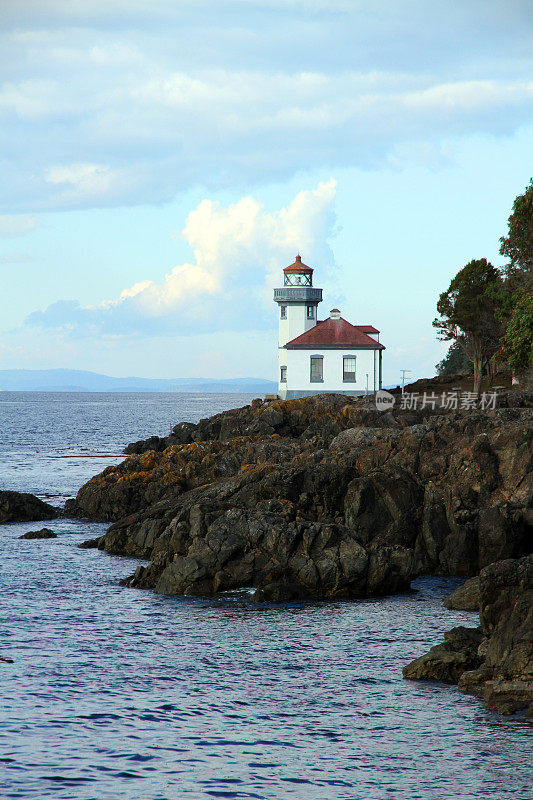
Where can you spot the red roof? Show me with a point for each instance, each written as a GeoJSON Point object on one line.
{"type": "Point", "coordinates": [367, 328]}
{"type": "Point", "coordinates": [298, 266]}
{"type": "Point", "coordinates": [335, 333]}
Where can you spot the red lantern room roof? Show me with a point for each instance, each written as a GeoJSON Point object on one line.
{"type": "Point", "coordinates": [298, 267]}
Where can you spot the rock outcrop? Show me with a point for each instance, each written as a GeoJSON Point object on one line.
{"type": "Point", "coordinates": [320, 496]}
{"type": "Point", "coordinates": [494, 661]}
{"type": "Point", "coordinates": [44, 533]}
{"type": "Point", "coordinates": [92, 544]}
{"type": "Point", "coordinates": [214, 550]}
{"type": "Point", "coordinates": [446, 662]}
{"type": "Point", "coordinates": [465, 597]}
{"type": "Point", "coordinates": [21, 507]}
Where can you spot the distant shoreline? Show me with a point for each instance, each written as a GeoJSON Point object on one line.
{"type": "Point", "coordinates": [72, 380]}
{"type": "Point", "coordinates": [241, 390]}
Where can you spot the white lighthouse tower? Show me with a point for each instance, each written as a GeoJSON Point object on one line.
{"type": "Point", "coordinates": [316, 356]}
{"type": "Point", "coordinates": [298, 302]}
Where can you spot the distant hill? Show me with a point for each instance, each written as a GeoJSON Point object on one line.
{"type": "Point", "coordinates": [77, 380]}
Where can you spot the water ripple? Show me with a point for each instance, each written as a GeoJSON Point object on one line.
{"type": "Point", "coordinates": [118, 694]}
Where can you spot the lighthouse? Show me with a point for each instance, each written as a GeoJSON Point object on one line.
{"type": "Point", "coordinates": [298, 301]}
{"type": "Point", "coordinates": [330, 355]}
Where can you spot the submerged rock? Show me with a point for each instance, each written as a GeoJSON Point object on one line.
{"type": "Point", "coordinates": [44, 533]}
{"type": "Point", "coordinates": [22, 507]}
{"type": "Point", "coordinates": [501, 670]}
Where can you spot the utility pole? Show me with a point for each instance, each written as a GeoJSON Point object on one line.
{"type": "Point", "coordinates": [404, 372]}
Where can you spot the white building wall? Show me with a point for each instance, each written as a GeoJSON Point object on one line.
{"type": "Point", "coordinates": [298, 365]}
{"type": "Point", "coordinates": [296, 322]}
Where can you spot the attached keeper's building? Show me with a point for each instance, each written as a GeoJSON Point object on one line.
{"type": "Point", "coordinates": [316, 356]}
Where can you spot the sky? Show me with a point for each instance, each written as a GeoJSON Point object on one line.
{"type": "Point", "coordinates": [162, 161]}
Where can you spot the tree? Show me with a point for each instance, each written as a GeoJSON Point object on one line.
{"type": "Point", "coordinates": [468, 314]}
{"type": "Point", "coordinates": [518, 338]}
{"type": "Point", "coordinates": [455, 362]}
{"type": "Point", "coordinates": [516, 311]}
{"type": "Point", "coordinates": [518, 244]}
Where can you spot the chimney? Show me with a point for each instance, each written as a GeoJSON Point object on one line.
{"type": "Point", "coordinates": [334, 313]}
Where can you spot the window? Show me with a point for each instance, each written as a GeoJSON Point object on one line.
{"type": "Point", "coordinates": [283, 312]}
{"type": "Point", "coordinates": [283, 375]}
{"type": "Point", "coordinates": [317, 369]}
{"type": "Point", "coordinates": [348, 368]}
{"type": "Point", "coordinates": [298, 280]}
{"type": "Point", "coordinates": [310, 312]}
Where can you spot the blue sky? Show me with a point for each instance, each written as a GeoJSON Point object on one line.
{"type": "Point", "coordinates": [162, 161]}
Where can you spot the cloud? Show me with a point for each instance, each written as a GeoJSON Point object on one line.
{"type": "Point", "coordinates": [84, 181]}
{"type": "Point", "coordinates": [221, 128]}
{"type": "Point", "coordinates": [239, 251]}
{"type": "Point", "coordinates": [120, 104]}
{"type": "Point", "coordinates": [13, 225]}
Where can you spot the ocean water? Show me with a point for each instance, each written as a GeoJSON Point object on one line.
{"type": "Point", "coordinates": [119, 694]}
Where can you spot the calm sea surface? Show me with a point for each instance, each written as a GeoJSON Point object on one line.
{"type": "Point", "coordinates": [118, 694]}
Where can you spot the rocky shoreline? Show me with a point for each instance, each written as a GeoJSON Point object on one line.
{"type": "Point", "coordinates": [442, 493]}
{"type": "Point", "coordinates": [326, 496]}
{"type": "Point", "coordinates": [494, 660]}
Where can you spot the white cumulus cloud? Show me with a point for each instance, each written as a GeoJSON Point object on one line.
{"type": "Point", "coordinates": [239, 250]}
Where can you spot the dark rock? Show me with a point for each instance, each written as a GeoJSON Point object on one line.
{"type": "Point", "coordinates": [72, 510]}
{"type": "Point", "coordinates": [155, 443]}
{"type": "Point", "coordinates": [21, 507]}
{"type": "Point", "coordinates": [474, 680]}
{"type": "Point", "coordinates": [503, 674]}
{"type": "Point", "coordinates": [506, 616]}
{"type": "Point", "coordinates": [239, 548]}
{"type": "Point", "coordinates": [89, 544]}
{"type": "Point", "coordinates": [416, 492]}
{"type": "Point", "coordinates": [446, 662]}
{"type": "Point", "coordinates": [277, 593]}
{"type": "Point", "coordinates": [507, 697]}
{"type": "Point", "coordinates": [135, 579]}
{"type": "Point", "coordinates": [44, 533]}
{"type": "Point", "coordinates": [465, 597]}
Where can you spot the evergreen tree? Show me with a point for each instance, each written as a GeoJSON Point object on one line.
{"type": "Point", "coordinates": [518, 337]}
{"type": "Point", "coordinates": [518, 244]}
{"type": "Point", "coordinates": [516, 310]}
{"type": "Point", "coordinates": [455, 362]}
{"type": "Point", "coordinates": [469, 314]}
